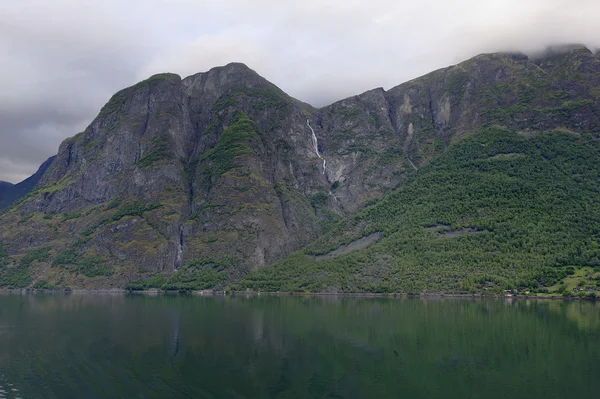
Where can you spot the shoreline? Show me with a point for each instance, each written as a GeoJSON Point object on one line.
{"type": "Point", "coordinates": [206, 293]}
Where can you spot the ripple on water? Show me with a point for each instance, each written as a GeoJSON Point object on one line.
{"type": "Point", "coordinates": [6, 392]}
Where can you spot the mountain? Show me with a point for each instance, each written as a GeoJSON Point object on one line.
{"type": "Point", "coordinates": [9, 193]}
{"type": "Point", "coordinates": [221, 168]}
{"type": "Point", "coordinates": [472, 177]}
{"type": "Point", "coordinates": [4, 187]}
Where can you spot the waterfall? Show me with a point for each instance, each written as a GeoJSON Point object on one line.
{"type": "Point", "coordinates": [316, 145]}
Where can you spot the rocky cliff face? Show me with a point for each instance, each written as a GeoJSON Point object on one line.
{"type": "Point", "coordinates": [218, 165]}
{"type": "Point", "coordinates": [381, 134]}
{"type": "Point", "coordinates": [223, 172]}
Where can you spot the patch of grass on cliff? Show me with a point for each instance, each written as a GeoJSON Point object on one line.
{"type": "Point", "coordinates": [262, 98]}
{"type": "Point", "coordinates": [203, 208]}
{"type": "Point", "coordinates": [224, 102]}
{"type": "Point", "coordinates": [234, 142]}
{"type": "Point", "coordinates": [66, 257]}
{"type": "Point", "coordinates": [120, 98]}
{"type": "Point", "coordinates": [54, 187]}
{"type": "Point", "coordinates": [129, 209]}
{"type": "Point", "coordinates": [94, 267]}
{"type": "Point", "coordinates": [512, 223]}
{"type": "Point", "coordinates": [159, 150]}
{"type": "Point", "coordinates": [567, 109]}
{"type": "Point", "coordinates": [293, 199]}
{"type": "Point", "coordinates": [159, 78]}
{"type": "Point", "coordinates": [70, 216]}
{"type": "Point", "coordinates": [115, 102]}
{"type": "Point", "coordinates": [269, 93]}
{"type": "Point", "coordinates": [457, 83]}
{"type": "Point", "coordinates": [36, 255]}
{"type": "Point", "coordinates": [113, 204]}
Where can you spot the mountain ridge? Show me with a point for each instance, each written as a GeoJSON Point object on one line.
{"type": "Point", "coordinates": [199, 181]}
{"type": "Point", "coordinates": [13, 192]}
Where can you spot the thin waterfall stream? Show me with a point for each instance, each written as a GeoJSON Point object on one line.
{"type": "Point", "coordinates": [316, 145]}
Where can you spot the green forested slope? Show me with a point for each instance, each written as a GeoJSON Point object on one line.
{"type": "Point", "coordinates": [497, 211]}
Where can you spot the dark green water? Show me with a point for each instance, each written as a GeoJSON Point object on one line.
{"type": "Point", "coordinates": [234, 347]}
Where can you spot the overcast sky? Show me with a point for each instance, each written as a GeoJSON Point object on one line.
{"type": "Point", "coordinates": [61, 60]}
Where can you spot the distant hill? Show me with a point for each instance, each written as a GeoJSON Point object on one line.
{"type": "Point", "coordinates": [9, 193]}
{"type": "Point", "coordinates": [4, 189]}
{"type": "Point", "coordinates": [4, 186]}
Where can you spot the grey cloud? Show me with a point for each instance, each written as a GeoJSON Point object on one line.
{"type": "Point", "coordinates": [321, 51]}
{"type": "Point", "coordinates": [62, 60]}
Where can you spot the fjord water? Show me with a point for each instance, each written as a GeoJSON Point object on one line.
{"type": "Point", "coordinates": [94, 346]}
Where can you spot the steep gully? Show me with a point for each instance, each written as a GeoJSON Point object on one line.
{"type": "Point", "coordinates": [190, 164]}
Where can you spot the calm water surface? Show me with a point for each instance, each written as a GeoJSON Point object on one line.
{"type": "Point", "coordinates": [235, 347]}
